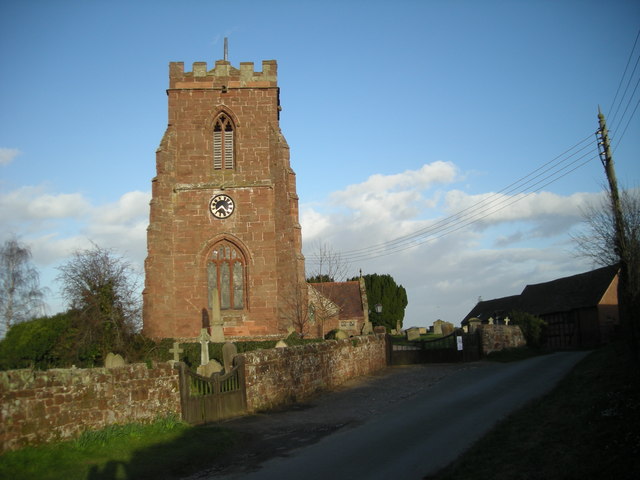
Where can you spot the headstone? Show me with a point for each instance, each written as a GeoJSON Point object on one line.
{"type": "Point", "coordinates": [281, 344]}
{"type": "Point", "coordinates": [380, 329]}
{"type": "Point", "coordinates": [204, 338]}
{"type": "Point", "coordinates": [176, 351]}
{"type": "Point", "coordinates": [217, 332]}
{"type": "Point", "coordinates": [367, 328]}
{"type": "Point", "coordinates": [209, 369]}
{"type": "Point", "coordinates": [474, 323]}
{"type": "Point", "coordinates": [229, 351]}
{"type": "Point", "coordinates": [447, 328]}
{"type": "Point", "coordinates": [114, 361]}
{"type": "Point", "coordinates": [506, 320]}
{"type": "Point", "coordinates": [437, 327]}
{"type": "Point", "coordinates": [491, 320]}
{"type": "Point", "coordinates": [290, 330]}
{"type": "Point", "coordinates": [423, 330]}
{"type": "Point", "coordinates": [413, 334]}
{"type": "Point", "coordinates": [341, 335]}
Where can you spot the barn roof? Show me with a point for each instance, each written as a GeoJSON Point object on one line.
{"type": "Point", "coordinates": [564, 294]}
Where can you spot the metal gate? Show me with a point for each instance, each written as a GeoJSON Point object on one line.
{"type": "Point", "coordinates": [211, 399]}
{"type": "Point", "coordinates": [455, 347]}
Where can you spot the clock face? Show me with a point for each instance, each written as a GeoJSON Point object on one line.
{"type": "Point", "coordinates": [221, 206]}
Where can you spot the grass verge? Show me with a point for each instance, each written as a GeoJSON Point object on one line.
{"type": "Point", "coordinates": [588, 427]}
{"type": "Point", "coordinates": [167, 448]}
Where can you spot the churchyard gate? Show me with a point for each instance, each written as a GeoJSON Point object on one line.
{"type": "Point", "coordinates": [455, 347]}
{"type": "Point", "coordinates": [209, 399]}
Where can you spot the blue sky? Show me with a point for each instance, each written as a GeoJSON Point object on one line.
{"type": "Point", "coordinates": [398, 114]}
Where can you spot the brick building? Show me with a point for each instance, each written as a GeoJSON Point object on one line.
{"type": "Point", "coordinates": [224, 238]}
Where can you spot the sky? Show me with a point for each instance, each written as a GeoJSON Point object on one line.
{"type": "Point", "coordinates": [450, 144]}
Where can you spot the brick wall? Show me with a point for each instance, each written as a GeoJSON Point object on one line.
{"type": "Point", "coordinates": [500, 337]}
{"type": "Point", "coordinates": [282, 376]}
{"type": "Point", "coordinates": [41, 406]}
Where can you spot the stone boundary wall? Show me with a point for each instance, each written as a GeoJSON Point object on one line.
{"type": "Point", "coordinates": [500, 337]}
{"type": "Point", "coordinates": [283, 376]}
{"type": "Point", "coordinates": [59, 404]}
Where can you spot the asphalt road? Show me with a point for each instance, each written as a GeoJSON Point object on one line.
{"type": "Point", "coordinates": [424, 432]}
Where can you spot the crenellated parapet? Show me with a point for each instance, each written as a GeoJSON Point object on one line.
{"type": "Point", "coordinates": [223, 75]}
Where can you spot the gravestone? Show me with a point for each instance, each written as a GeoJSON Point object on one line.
{"type": "Point", "coordinates": [447, 328]}
{"type": "Point", "coordinates": [217, 332]}
{"type": "Point", "coordinates": [341, 335]}
{"type": "Point", "coordinates": [474, 323]}
{"type": "Point", "coordinates": [204, 338]}
{"type": "Point", "coordinates": [437, 327]}
{"type": "Point", "coordinates": [506, 320]}
{"type": "Point", "coordinates": [379, 329]}
{"type": "Point", "coordinates": [491, 321]}
{"type": "Point", "coordinates": [413, 334]}
{"type": "Point", "coordinates": [367, 328]}
{"type": "Point", "coordinates": [281, 344]}
{"type": "Point", "coordinates": [114, 361]}
{"type": "Point", "coordinates": [229, 351]}
{"type": "Point", "coordinates": [209, 369]}
{"type": "Point", "coordinates": [176, 351]}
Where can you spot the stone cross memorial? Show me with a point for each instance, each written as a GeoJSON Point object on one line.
{"type": "Point", "coordinates": [176, 351]}
{"type": "Point", "coordinates": [204, 338]}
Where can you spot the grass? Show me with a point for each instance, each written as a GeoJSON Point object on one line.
{"type": "Point", "coordinates": [167, 448]}
{"type": "Point", "coordinates": [588, 427]}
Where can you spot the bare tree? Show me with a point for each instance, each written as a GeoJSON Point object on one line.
{"type": "Point", "coordinates": [327, 265]}
{"type": "Point", "coordinates": [21, 297]}
{"type": "Point", "coordinates": [598, 239]}
{"type": "Point", "coordinates": [103, 288]}
{"type": "Point", "coordinates": [606, 244]}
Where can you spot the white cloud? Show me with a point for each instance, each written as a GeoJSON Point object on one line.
{"type": "Point", "coordinates": [29, 204]}
{"type": "Point", "coordinates": [8, 154]}
{"type": "Point", "coordinates": [503, 244]}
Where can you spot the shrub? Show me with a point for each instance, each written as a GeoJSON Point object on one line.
{"type": "Point", "coordinates": [531, 326]}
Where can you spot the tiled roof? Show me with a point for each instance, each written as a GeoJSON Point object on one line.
{"type": "Point", "coordinates": [344, 294]}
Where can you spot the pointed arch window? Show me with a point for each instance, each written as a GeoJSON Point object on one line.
{"type": "Point", "coordinates": [226, 271]}
{"type": "Point", "coordinates": [223, 154]}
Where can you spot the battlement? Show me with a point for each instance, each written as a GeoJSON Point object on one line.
{"type": "Point", "coordinates": [223, 75]}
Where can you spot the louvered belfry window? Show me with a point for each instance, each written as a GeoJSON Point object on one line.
{"type": "Point", "coordinates": [226, 272]}
{"type": "Point", "coordinates": [223, 144]}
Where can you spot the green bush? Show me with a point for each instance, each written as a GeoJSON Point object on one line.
{"type": "Point", "coordinates": [531, 326]}
{"type": "Point", "coordinates": [40, 343]}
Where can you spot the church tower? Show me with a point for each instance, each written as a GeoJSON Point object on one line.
{"type": "Point", "coordinates": [223, 234]}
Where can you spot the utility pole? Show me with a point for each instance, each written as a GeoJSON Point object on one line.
{"type": "Point", "coordinates": [606, 158]}
{"type": "Point", "coordinates": [627, 287]}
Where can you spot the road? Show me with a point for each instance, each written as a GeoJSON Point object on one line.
{"type": "Point", "coordinates": [423, 432]}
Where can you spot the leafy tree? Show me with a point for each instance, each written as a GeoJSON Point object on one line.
{"type": "Point", "coordinates": [384, 290]}
{"type": "Point", "coordinates": [531, 326]}
{"type": "Point", "coordinates": [44, 342]}
{"type": "Point", "coordinates": [320, 279]}
{"type": "Point", "coordinates": [21, 297]}
{"type": "Point", "coordinates": [102, 288]}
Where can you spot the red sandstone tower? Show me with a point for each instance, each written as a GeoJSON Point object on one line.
{"type": "Point", "coordinates": [224, 208]}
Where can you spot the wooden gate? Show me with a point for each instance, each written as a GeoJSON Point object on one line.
{"type": "Point", "coordinates": [455, 347]}
{"type": "Point", "coordinates": [206, 400]}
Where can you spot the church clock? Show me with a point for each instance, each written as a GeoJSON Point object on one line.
{"type": "Point", "coordinates": [221, 206]}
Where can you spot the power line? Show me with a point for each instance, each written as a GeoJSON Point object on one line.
{"type": "Point", "coordinates": [555, 169]}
